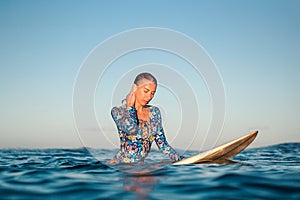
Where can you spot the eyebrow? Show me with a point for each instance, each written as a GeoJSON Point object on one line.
{"type": "Point", "coordinates": [149, 89]}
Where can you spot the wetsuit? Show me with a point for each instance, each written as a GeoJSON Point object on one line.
{"type": "Point", "coordinates": [136, 136]}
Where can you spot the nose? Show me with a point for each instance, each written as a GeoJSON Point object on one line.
{"type": "Point", "coordinates": [149, 97]}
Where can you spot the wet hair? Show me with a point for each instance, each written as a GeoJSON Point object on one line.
{"type": "Point", "coordinates": [145, 75]}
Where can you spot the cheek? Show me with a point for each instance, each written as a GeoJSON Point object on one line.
{"type": "Point", "coordinates": [139, 94]}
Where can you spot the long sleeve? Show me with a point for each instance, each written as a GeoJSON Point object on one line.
{"type": "Point", "coordinates": [125, 119]}
{"type": "Point", "coordinates": [162, 143]}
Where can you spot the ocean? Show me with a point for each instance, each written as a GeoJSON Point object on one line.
{"type": "Point", "coordinates": [271, 172]}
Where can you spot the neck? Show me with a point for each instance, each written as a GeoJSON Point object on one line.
{"type": "Point", "coordinates": [139, 107]}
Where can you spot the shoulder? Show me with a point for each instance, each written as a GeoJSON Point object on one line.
{"type": "Point", "coordinates": [117, 109]}
{"type": "Point", "coordinates": [154, 110]}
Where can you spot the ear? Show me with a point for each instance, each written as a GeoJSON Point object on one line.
{"type": "Point", "coordinates": [134, 87]}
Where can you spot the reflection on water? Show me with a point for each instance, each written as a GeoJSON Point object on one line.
{"type": "Point", "coordinates": [140, 185]}
{"type": "Point", "coordinates": [140, 179]}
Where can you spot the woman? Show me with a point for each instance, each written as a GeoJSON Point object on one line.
{"type": "Point", "coordinates": [139, 124]}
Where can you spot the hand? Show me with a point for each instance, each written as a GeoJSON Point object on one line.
{"type": "Point", "coordinates": [130, 98]}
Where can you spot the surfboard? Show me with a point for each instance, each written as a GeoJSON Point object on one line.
{"type": "Point", "coordinates": [221, 154]}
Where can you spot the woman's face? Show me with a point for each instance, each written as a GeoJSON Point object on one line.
{"type": "Point", "coordinates": [145, 92]}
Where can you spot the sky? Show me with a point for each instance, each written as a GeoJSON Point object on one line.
{"type": "Point", "coordinates": [254, 45]}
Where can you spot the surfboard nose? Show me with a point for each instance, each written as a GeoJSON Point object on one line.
{"type": "Point", "coordinates": [254, 133]}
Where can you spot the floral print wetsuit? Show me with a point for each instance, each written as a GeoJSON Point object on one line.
{"type": "Point", "coordinates": [136, 136]}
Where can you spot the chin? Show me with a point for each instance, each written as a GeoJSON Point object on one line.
{"type": "Point", "coordinates": [144, 104]}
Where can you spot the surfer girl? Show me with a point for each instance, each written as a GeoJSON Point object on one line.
{"type": "Point", "coordinates": [139, 124]}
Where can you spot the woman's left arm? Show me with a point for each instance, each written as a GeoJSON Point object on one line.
{"type": "Point", "coordinates": [164, 146]}
{"type": "Point", "coordinates": [162, 143]}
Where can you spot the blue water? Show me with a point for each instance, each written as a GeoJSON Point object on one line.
{"type": "Point", "coordinates": [266, 173]}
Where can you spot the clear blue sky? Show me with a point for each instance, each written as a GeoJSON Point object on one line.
{"type": "Point", "coordinates": [255, 45]}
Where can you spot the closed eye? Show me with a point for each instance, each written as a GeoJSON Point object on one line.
{"type": "Point", "coordinates": [146, 91]}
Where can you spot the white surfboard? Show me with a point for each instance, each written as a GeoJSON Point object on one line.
{"type": "Point", "coordinates": [221, 154]}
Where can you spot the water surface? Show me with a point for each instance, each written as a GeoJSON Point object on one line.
{"type": "Point", "coordinates": [267, 173]}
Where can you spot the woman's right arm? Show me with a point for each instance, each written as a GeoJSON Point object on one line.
{"type": "Point", "coordinates": [125, 119]}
